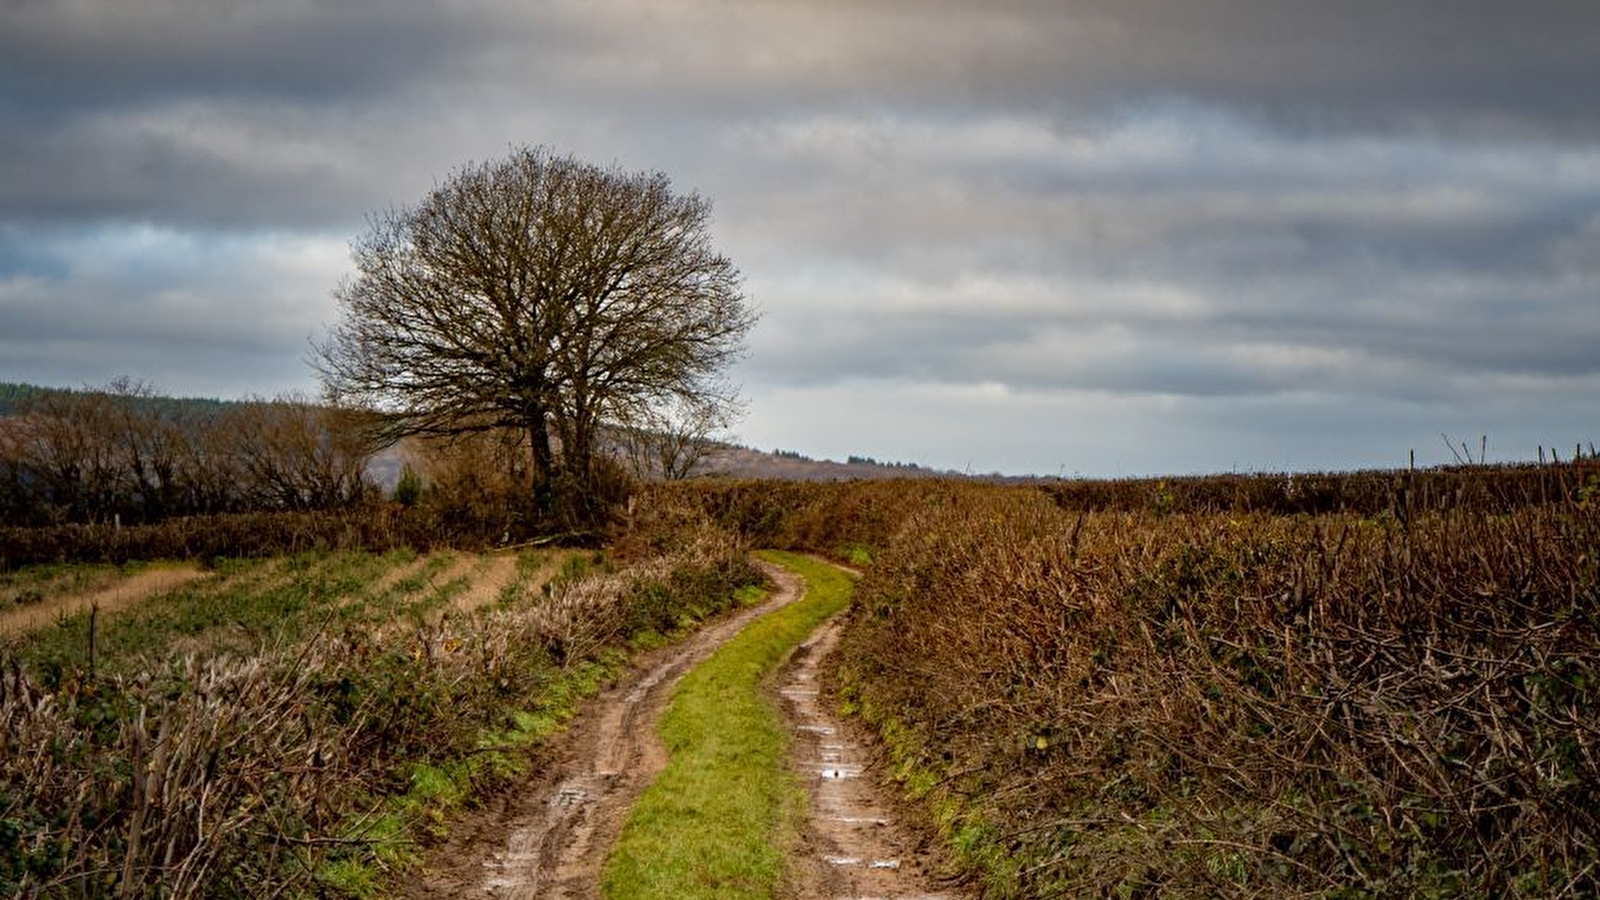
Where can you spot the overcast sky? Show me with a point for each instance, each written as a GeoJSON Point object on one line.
{"type": "Point", "coordinates": [1048, 236]}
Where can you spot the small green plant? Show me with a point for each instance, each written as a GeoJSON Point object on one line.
{"type": "Point", "coordinates": [858, 555]}
{"type": "Point", "coordinates": [408, 490]}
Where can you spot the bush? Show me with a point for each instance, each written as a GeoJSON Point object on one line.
{"type": "Point", "coordinates": [247, 775]}
{"type": "Point", "coordinates": [1158, 703]}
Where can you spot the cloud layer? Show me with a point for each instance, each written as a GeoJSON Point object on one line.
{"type": "Point", "coordinates": [1032, 236]}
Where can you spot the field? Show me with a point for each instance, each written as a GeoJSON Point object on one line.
{"type": "Point", "coordinates": [1377, 685]}
{"type": "Point", "coordinates": [301, 725]}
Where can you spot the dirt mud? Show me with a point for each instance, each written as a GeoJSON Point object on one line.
{"type": "Point", "coordinates": [852, 848]}
{"type": "Point", "coordinates": [499, 571]}
{"type": "Point", "coordinates": [549, 839]}
{"type": "Point", "coordinates": [121, 594]}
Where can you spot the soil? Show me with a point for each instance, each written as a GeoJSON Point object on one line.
{"type": "Point", "coordinates": [398, 574]}
{"type": "Point", "coordinates": [121, 594]}
{"type": "Point", "coordinates": [853, 846]}
{"type": "Point", "coordinates": [549, 839]}
{"type": "Point", "coordinates": [500, 571]}
{"type": "Point", "coordinates": [462, 566]}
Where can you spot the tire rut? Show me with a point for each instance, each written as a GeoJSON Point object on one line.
{"type": "Point", "coordinates": [853, 848]}
{"type": "Point", "coordinates": [550, 839]}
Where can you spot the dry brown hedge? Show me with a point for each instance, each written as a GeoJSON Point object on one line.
{"type": "Point", "coordinates": [1154, 704]}
{"type": "Point", "coordinates": [375, 526]}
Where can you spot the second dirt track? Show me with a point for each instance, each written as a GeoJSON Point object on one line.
{"type": "Point", "coordinates": [550, 838]}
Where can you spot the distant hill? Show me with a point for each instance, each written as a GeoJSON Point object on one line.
{"type": "Point", "coordinates": [13, 394]}
{"type": "Point", "coordinates": [745, 462]}
{"type": "Point", "coordinates": [729, 460]}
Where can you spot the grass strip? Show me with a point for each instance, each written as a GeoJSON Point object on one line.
{"type": "Point", "coordinates": [711, 826]}
{"type": "Point", "coordinates": [438, 788]}
{"type": "Point", "coordinates": [386, 841]}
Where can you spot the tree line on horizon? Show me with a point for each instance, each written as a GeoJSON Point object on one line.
{"type": "Point", "coordinates": [123, 454]}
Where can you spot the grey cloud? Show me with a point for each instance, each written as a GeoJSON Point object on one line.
{"type": "Point", "coordinates": [1242, 262]}
{"type": "Point", "coordinates": [1476, 67]}
{"type": "Point", "coordinates": [1411, 338]}
{"type": "Point", "coordinates": [229, 315]}
{"type": "Point", "coordinates": [60, 58]}
{"type": "Point", "coordinates": [1226, 220]}
{"type": "Point", "coordinates": [1481, 68]}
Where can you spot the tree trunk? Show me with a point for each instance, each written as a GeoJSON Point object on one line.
{"type": "Point", "coordinates": [543, 474]}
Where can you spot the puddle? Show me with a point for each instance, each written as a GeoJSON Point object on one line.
{"type": "Point", "coordinates": [859, 855]}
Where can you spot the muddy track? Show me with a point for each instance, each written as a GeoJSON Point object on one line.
{"type": "Point", "coordinates": [852, 847]}
{"type": "Point", "coordinates": [549, 839]}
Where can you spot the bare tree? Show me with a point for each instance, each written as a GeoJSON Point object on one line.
{"type": "Point", "coordinates": [153, 445]}
{"type": "Point", "coordinates": [291, 453]}
{"type": "Point", "coordinates": [672, 443]}
{"type": "Point", "coordinates": [68, 442]}
{"type": "Point", "coordinates": [543, 294]}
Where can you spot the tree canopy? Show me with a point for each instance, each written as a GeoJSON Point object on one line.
{"type": "Point", "coordinates": [543, 294]}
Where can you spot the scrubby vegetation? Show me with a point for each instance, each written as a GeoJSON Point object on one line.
{"type": "Point", "coordinates": [1222, 688]}
{"type": "Point", "coordinates": [122, 454]}
{"type": "Point", "coordinates": [1367, 685]}
{"type": "Point", "coordinates": [300, 726]}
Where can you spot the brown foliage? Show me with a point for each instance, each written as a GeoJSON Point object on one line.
{"type": "Point", "coordinates": [376, 527]}
{"type": "Point", "coordinates": [1497, 488]}
{"type": "Point", "coordinates": [243, 776]}
{"type": "Point", "coordinates": [1159, 704]}
{"type": "Point", "coordinates": [120, 453]}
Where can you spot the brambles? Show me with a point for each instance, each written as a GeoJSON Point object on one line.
{"type": "Point", "coordinates": [1159, 703]}
{"type": "Point", "coordinates": [1374, 684]}
{"type": "Point", "coordinates": [281, 728]}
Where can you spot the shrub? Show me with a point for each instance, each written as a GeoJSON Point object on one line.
{"type": "Point", "coordinates": [1243, 704]}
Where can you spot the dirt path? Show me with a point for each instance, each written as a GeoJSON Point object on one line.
{"type": "Point", "coordinates": [119, 595]}
{"type": "Point", "coordinates": [550, 840]}
{"type": "Point", "coordinates": [392, 578]}
{"type": "Point", "coordinates": [499, 571]}
{"type": "Point", "coordinates": [852, 848]}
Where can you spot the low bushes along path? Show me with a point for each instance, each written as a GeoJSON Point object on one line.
{"type": "Point", "coordinates": [553, 838]}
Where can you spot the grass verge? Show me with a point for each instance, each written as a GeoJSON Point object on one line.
{"type": "Point", "coordinates": [705, 828]}
{"type": "Point", "coordinates": [388, 837]}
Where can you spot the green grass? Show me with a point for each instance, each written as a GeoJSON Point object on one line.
{"type": "Point", "coordinates": [248, 605]}
{"type": "Point", "coordinates": [437, 789]}
{"type": "Point", "coordinates": [717, 821]}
